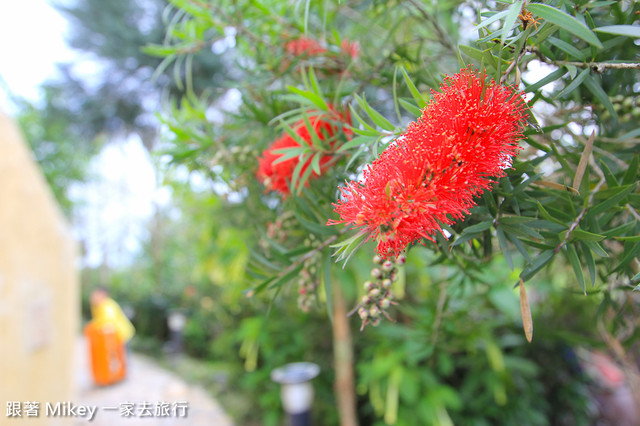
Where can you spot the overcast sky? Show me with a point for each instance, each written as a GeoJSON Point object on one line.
{"type": "Point", "coordinates": [32, 40]}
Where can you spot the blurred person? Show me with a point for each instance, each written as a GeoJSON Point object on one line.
{"type": "Point", "coordinates": [106, 311]}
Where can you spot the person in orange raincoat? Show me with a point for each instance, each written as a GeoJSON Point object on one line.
{"type": "Point", "coordinates": [105, 310]}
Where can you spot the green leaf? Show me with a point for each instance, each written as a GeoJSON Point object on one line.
{"type": "Point", "coordinates": [289, 153]}
{"type": "Point", "coordinates": [612, 201]}
{"type": "Point", "coordinates": [315, 86]}
{"type": "Point", "coordinates": [574, 84]}
{"type": "Point", "coordinates": [538, 263]}
{"type": "Point", "coordinates": [594, 4]}
{"type": "Point", "coordinates": [463, 238]}
{"type": "Point", "coordinates": [632, 134]}
{"type": "Point", "coordinates": [510, 19]}
{"type": "Point", "coordinates": [315, 162]}
{"type": "Point", "coordinates": [632, 171]}
{"type": "Point", "coordinates": [492, 19]}
{"type": "Point", "coordinates": [521, 248]}
{"type": "Point", "coordinates": [286, 277]}
{"type": "Point", "coordinates": [479, 227]}
{"type": "Point", "coordinates": [366, 132]}
{"type": "Point", "coordinates": [521, 230]}
{"type": "Point", "coordinates": [515, 220]}
{"type": "Point", "coordinates": [302, 179]}
{"type": "Point", "coordinates": [264, 261]}
{"type": "Point", "coordinates": [632, 238]}
{"type": "Point", "coordinates": [312, 97]}
{"type": "Point", "coordinates": [417, 96]}
{"type": "Point", "coordinates": [565, 21]}
{"type": "Point", "coordinates": [546, 80]}
{"type": "Point", "coordinates": [577, 268]}
{"type": "Point", "coordinates": [411, 109]}
{"type": "Point", "coordinates": [611, 180]}
{"type": "Point", "coordinates": [591, 264]}
{"type": "Point", "coordinates": [301, 142]}
{"type": "Point", "coordinates": [631, 254]}
{"type": "Point", "coordinates": [596, 248]}
{"type": "Point", "coordinates": [375, 116]}
{"type": "Point", "coordinates": [480, 56]}
{"type": "Point", "coordinates": [545, 214]}
{"type": "Point", "coordinates": [594, 86]}
{"type": "Point", "coordinates": [623, 30]}
{"type": "Point", "coordinates": [568, 48]}
{"type": "Point", "coordinates": [357, 141]}
{"type": "Point", "coordinates": [360, 120]}
{"type": "Point", "coordinates": [346, 248]}
{"type": "Point", "coordinates": [621, 230]}
{"type": "Point", "coordinates": [580, 235]}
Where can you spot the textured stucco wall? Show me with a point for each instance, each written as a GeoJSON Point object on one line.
{"type": "Point", "coordinates": [39, 291]}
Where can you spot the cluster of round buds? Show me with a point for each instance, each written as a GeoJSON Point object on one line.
{"type": "Point", "coordinates": [236, 154]}
{"type": "Point", "coordinates": [627, 108]}
{"type": "Point", "coordinates": [308, 283]}
{"type": "Point", "coordinates": [378, 297]}
{"type": "Point", "coordinates": [278, 230]}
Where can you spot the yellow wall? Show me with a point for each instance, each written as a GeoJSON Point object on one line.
{"type": "Point", "coordinates": [39, 293]}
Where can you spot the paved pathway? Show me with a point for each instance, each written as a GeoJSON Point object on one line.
{"type": "Point", "coordinates": [147, 386]}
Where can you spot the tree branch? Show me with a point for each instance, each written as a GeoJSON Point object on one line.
{"type": "Point", "coordinates": [598, 67]}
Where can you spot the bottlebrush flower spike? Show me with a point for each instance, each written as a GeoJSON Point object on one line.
{"type": "Point", "coordinates": [276, 177]}
{"type": "Point", "coordinates": [304, 46]}
{"type": "Point", "coordinates": [428, 176]}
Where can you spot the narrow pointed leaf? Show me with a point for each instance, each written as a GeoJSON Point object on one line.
{"type": "Point", "coordinates": [564, 21]}
{"type": "Point", "coordinates": [510, 19]}
{"type": "Point", "coordinates": [594, 86]}
{"type": "Point", "coordinates": [591, 264]}
{"type": "Point", "coordinates": [538, 263]}
{"type": "Point", "coordinates": [577, 268]}
{"type": "Point", "coordinates": [417, 96]}
{"type": "Point", "coordinates": [574, 84]}
{"type": "Point", "coordinates": [622, 30]}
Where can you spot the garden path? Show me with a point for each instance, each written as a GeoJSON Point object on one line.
{"type": "Point", "coordinates": [148, 387]}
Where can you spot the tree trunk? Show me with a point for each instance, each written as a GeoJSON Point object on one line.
{"type": "Point", "coordinates": [343, 360]}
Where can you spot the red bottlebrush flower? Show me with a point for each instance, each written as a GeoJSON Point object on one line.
{"type": "Point", "coordinates": [467, 134]}
{"type": "Point", "coordinates": [276, 177]}
{"type": "Point", "coordinates": [351, 48]}
{"type": "Point", "coordinates": [304, 46]}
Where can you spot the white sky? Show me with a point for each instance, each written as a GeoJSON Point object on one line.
{"type": "Point", "coordinates": [32, 37]}
{"type": "Point", "coordinates": [119, 200]}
